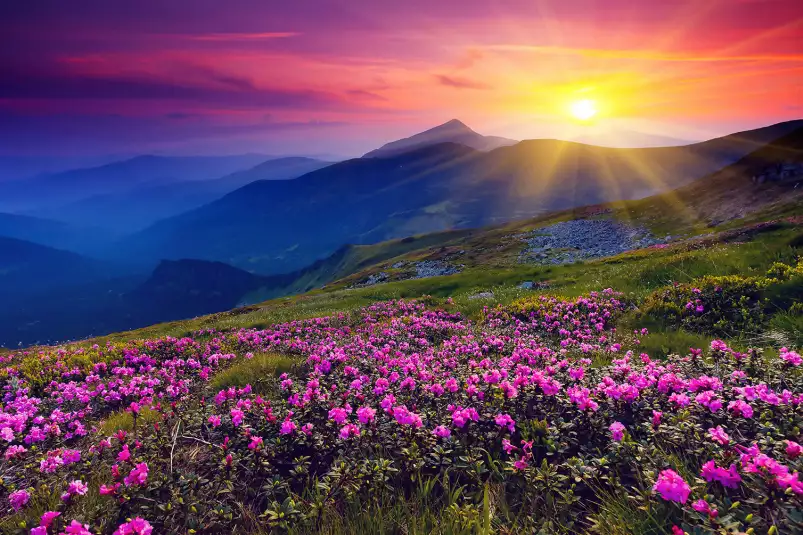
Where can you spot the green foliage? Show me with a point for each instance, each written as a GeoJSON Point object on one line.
{"type": "Point", "coordinates": [125, 420]}
{"type": "Point", "coordinates": [259, 371]}
{"type": "Point", "coordinates": [717, 305]}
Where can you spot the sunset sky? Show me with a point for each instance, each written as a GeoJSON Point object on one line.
{"type": "Point", "coordinates": [343, 76]}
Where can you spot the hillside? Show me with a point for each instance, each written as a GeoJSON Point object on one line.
{"type": "Point", "coordinates": [275, 227]}
{"type": "Point", "coordinates": [27, 266]}
{"type": "Point", "coordinates": [56, 234]}
{"type": "Point", "coordinates": [453, 131]}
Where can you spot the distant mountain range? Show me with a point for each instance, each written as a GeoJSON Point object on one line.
{"type": "Point", "coordinates": [58, 189]}
{"type": "Point", "coordinates": [274, 236]}
{"type": "Point", "coordinates": [453, 131]}
{"type": "Point", "coordinates": [281, 226]}
{"type": "Point", "coordinates": [147, 203]}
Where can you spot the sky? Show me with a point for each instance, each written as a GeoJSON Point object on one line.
{"type": "Point", "coordinates": [340, 77]}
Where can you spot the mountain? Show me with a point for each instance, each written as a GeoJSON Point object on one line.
{"type": "Point", "coordinates": [281, 226]}
{"type": "Point", "coordinates": [453, 131]}
{"type": "Point", "coordinates": [26, 267]}
{"type": "Point", "coordinates": [58, 189]}
{"type": "Point", "coordinates": [55, 234]}
{"type": "Point", "coordinates": [186, 288]}
{"type": "Point", "coordinates": [141, 206]}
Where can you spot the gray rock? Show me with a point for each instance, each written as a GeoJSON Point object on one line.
{"type": "Point", "coordinates": [482, 295]}
{"type": "Point", "coordinates": [434, 268]}
{"type": "Point", "coordinates": [527, 285]}
{"type": "Point", "coordinates": [579, 239]}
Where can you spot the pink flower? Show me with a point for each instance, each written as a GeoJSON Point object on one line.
{"type": "Point", "coordinates": [741, 407]}
{"type": "Point", "coordinates": [677, 530]}
{"type": "Point", "coordinates": [719, 435]}
{"type": "Point", "coordinates": [77, 486]}
{"type": "Point", "coordinates": [76, 528]}
{"type": "Point", "coordinates": [48, 518]}
{"type": "Point", "coordinates": [214, 420]}
{"type": "Point", "coordinates": [124, 454]}
{"type": "Point", "coordinates": [137, 476]}
{"type": "Point", "coordinates": [729, 478]}
{"type": "Point", "coordinates": [138, 526]}
{"type": "Point", "coordinates": [106, 490]}
{"type": "Point", "coordinates": [617, 431]}
{"type": "Point", "coordinates": [656, 418]}
{"type": "Point", "coordinates": [255, 444]}
{"type": "Point", "coordinates": [349, 430]}
{"type": "Point", "coordinates": [442, 432]}
{"type": "Point", "coordinates": [505, 420]}
{"type": "Point", "coordinates": [366, 414]}
{"type": "Point", "coordinates": [41, 530]}
{"type": "Point", "coordinates": [521, 464]}
{"type": "Point", "coordinates": [672, 487]}
{"type": "Point", "coordinates": [702, 506]}
{"type": "Point", "coordinates": [307, 429]}
{"type": "Point", "coordinates": [18, 499]}
{"type": "Point", "coordinates": [237, 417]}
{"type": "Point", "coordinates": [791, 357]}
{"type": "Point", "coordinates": [338, 415]}
{"type": "Point", "coordinates": [288, 427]}
{"type": "Point", "coordinates": [406, 417]}
{"type": "Point", "coordinates": [793, 449]}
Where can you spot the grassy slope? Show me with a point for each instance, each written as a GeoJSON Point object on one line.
{"type": "Point", "coordinates": [725, 200]}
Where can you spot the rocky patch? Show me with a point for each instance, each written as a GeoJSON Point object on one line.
{"type": "Point", "coordinates": [580, 239]}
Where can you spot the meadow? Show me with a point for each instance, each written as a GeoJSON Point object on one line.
{"type": "Point", "coordinates": [616, 400]}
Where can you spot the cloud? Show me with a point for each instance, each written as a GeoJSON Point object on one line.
{"type": "Point", "coordinates": [460, 83]}
{"type": "Point", "coordinates": [237, 92]}
{"type": "Point", "coordinates": [365, 95]}
{"type": "Point", "coordinates": [243, 36]}
{"type": "Point", "coordinates": [642, 54]}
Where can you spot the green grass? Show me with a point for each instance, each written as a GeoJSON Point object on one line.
{"type": "Point", "coordinates": [125, 421]}
{"type": "Point", "coordinates": [256, 371]}
{"type": "Point", "coordinates": [636, 273]}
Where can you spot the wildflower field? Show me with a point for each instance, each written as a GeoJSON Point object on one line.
{"type": "Point", "coordinates": [405, 416]}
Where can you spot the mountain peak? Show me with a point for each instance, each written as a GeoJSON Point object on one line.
{"type": "Point", "coordinates": [453, 131]}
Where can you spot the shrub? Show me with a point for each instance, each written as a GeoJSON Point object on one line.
{"type": "Point", "coordinates": [725, 306]}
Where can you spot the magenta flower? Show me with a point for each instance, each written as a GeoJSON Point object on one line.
{"type": "Point", "coordinates": [338, 415]}
{"type": "Point", "coordinates": [78, 487]}
{"type": "Point", "coordinates": [702, 506]}
{"type": "Point", "coordinates": [442, 432]}
{"type": "Point", "coordinates": [729, 478]}
{"type": "Point", "coordinates": [18, 499]}
{"type": "Point", "coordinates": [656, 418]}
{"type": "Point", "coordinates": [40, 530]}
{"type": "Point", "coordinates": [76, 528]}
{"type": "Point", "coordinates": [366, 414]}
{"type": "Point", "coordinates": [349, 430]}
{"type": "Point", "coordinates": [617, 431]}
{"type": "Point", "coordinates": [288, 427]}
{"type": "Point", "coordinates": [237, 417]}
{"type": "Point", "coordinates": [793, 449]}
{"type": "Point", "coordinates": [124, 454]}
{"type": "Point", "coordinates": [672, 487]}
{"type": "Point", "coordinates": [505, 420]}
{"type": "Point", "coordinates": [48, 518]}
{"type": "Point", "coordinates": [741, 407]}
{"type": "Point", "coordinates": [255, 444]}
{"type": "Point", "coordinates": [137, 526]}
{"type": "Point", "coordinates": [137, 476]}
{"type": "Point", "coordinates": [107, 490]}
{"type": "Point", "coordinates": [214, 420]}
{"type": "Point", "coordinates": [719, 435]}
{"type": "Point", "coordinates": [791, 357]}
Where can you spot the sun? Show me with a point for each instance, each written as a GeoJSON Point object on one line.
{"type": "Point", "coordinates": [583, 110]}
